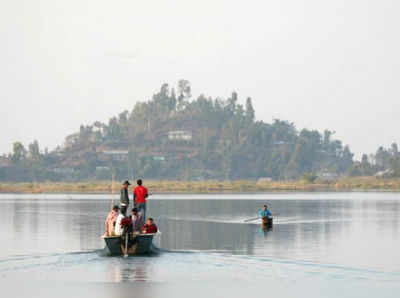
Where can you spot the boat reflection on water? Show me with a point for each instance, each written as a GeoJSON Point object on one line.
{"type": "Point", "coordinates": [267, 224]}
{"type": "Point", "coordinates": [128, 271]}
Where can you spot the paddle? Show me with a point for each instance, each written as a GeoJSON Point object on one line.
{"type": "Point", "coordinates": [126, 245]}
{"type": "Point", "coordinates": [251, 219]}
{"type": "Point", "coordinates": [255, 218]}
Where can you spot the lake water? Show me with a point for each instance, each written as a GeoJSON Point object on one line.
{"type": "Point", "coordinates": [321, 245]}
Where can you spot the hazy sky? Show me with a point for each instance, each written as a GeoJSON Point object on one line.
{"type": "Point", "coordinates": [320, 64]}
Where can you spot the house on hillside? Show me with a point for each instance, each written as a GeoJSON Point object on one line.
{"type": "Point", "coordinates": [264, 180]}
{"type": "Point", "coordinates": [384, 174]}
{"type": "Point", "coordinates": [180, 135]}
{"type": "Point", "coordinates": [113, 154]}
{"type": "Point", "coordinates": [158, 158]}
{"type": "Point", "coordinates": [279, 143]}
{"type": "Point", "coordinates": [327, 176]}
{"type": "Point", "coordinates": [64, 171]}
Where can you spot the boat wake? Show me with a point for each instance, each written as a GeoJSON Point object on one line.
{"type": "Point", "coordinates": [277, 220]}
{"type": "Point", "coordinates": [25, 262]}
{"type": "Point", "coordinates": [215, 262]}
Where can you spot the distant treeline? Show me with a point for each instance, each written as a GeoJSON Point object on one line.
{"type": "Point", "coordinates": [173, 136]}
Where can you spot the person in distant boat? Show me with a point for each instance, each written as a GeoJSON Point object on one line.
{"type": "Point", "coordinates": [137, 220]}
{"type": "Point", "coordinates": [110, 221]}
{"type": "Point", "coordinates": [265, 213]}
{"type": "Point", "coordinates": [124, 198]}
{"type": "Point", "coordinates": [119, 229]}
{"type": "Point", "coordinates": [140, 195]}
{"type": "Point", "coordinates": [150, 227]}
{"type": "Point", "coordinates": [266, 218]}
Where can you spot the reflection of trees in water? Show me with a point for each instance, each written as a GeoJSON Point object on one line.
{"type": "Point", "coordinates": [56, 224]}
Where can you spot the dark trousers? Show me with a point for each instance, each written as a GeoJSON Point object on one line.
{"type": "Point", "coordinates": [141, 207]}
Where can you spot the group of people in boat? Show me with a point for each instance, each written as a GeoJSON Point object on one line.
{"type": "Point", "coordinates": [119, 222]}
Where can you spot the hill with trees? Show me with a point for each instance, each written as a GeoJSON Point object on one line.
{"type": "Point", "coordinates": [173, 136]}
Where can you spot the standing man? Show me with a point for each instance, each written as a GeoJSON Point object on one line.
{"type": "Point", "coordinates": [140, 195]}
{"type": "Point", "coordinates": [124, 198]}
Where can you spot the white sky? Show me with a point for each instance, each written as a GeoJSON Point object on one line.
{"type": "Point", "coordinates": [320, 64]}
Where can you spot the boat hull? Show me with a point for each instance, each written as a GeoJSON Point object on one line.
{"type": "Point", "coordinates": [142, 245]}
{"type": "Point", "coordinates": [267, 222]}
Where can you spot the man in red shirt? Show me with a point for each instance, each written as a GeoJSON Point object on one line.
{"type": "Point", "coordinates": [140, 195]}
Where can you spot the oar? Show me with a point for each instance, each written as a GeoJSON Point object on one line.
{"type": "Point", "coordinates": [255, 218]}
{"type": "Point", "coordinates": [251, 219]}
{"type": "Point", "coordinates": [126, 245]}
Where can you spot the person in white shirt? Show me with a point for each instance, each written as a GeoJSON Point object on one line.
{"type": "Point", "coordinates": [118, 228]}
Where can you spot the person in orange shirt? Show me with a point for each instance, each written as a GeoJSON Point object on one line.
{"type": "Point", "coordinates": [140, 195]}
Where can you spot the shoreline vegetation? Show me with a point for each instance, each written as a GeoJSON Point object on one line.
{"type": "Point", "coordinates": [239, 186]}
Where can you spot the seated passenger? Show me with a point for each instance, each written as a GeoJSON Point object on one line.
{"type": "Point", "coordinates": [149, 227]}
{"type": "Point", "coordinates": [137, 220]}
{"type": "Point", "coordinates": [119, 229]}
{"type": "Point", "coordinates": [110, 221]}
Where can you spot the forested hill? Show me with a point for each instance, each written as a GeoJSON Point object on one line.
{"type": "Point", "coordinates": [173, 136]}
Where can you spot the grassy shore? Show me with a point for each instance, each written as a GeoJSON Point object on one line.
{"type": "Point", "coordinates": [164, 186]}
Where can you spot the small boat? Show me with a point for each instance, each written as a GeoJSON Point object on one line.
{"type": "Point", "coordinates": [142, 244]}
{"type": "Point", "coordinates": [267, 222]}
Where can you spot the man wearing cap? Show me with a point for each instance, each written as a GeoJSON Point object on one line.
{"type": "Point", "coordinates": [124, 198]}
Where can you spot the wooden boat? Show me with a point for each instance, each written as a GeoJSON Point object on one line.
{"type": "Point", "coordinates": [142, 244]}
{"type": "Point", "coordinates": [267, 222]}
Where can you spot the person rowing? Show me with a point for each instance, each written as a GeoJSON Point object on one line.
{"type": "Point", "coordinates": [266, 215]}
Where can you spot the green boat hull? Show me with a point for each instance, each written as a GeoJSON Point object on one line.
{"type": "Point", "coordinates": [143, 245]}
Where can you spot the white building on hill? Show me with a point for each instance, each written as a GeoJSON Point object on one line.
{"type": "Point", "coordinates": [180, 135]}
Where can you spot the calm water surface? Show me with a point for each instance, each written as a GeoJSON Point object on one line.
{"type": "Point", "coordinates": [321, 245]}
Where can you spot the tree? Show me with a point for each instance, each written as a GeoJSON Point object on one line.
{"type": "Point", "coordinates": [310, 177]}
{"type": "Point", "coordinates": [164, 91]}
{"type": "Point", "coordinates": [19, 152]}
{"type": "Point", "coordinates": [250, 113]}
{"type": "Point", "coordinates": [173, 137]}
{"type": "Point", "coordinates": [172, 100]}
{"type": "Point", "coordinates": [184, 92]}
{"type": "Point", "coordinates": [231, 102]}
{"type": "Point", "coordinates": [33, 149]}
{"type": "Point", "coordinates": [394, 149]}
{"type": "Point", "coordinates": [123, 117]}
{"type": "Point", "coordinates": [364, 159]}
